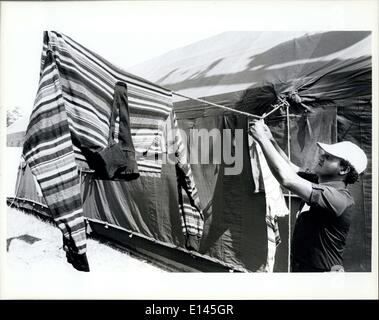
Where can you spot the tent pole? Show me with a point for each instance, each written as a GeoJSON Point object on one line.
{"type": "Point", "coordinates": [289, 192]}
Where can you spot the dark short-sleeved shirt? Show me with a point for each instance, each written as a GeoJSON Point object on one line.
{"type": "Point", "coordinates": [322, 226]}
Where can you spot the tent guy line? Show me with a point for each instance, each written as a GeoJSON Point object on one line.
{"type": "Point", "coordinates": [282, 103]}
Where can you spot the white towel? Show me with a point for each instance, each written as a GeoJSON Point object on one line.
{"type": "Point", "coordinates": [275, 203]}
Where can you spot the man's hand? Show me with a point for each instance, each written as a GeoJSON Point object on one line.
{"type": "Point", "coordinates": [279, 164]}
{"type": "Point", "coordinates": [258, 131]}
{"type": "Point", "coordinates": [268, 132]}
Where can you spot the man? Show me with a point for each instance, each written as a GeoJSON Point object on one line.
{"type": "Point", "coordinates": [324, 219]}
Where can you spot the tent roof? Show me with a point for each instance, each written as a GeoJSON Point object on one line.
{"type": "Point", "coordinates": [235, 61]}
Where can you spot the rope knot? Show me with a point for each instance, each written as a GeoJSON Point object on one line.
{"type": "Point", "coordinates": [293, 96]}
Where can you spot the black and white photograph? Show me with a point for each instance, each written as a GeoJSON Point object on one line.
{"type": "Point", "coordinates": [189, 149]}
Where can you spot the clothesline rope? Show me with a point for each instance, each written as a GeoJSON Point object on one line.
{"type": "Point", "coordinates": [282, 103]}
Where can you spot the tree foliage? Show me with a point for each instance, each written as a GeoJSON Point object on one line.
{"type": "Point", "coordinates": [13, 115]}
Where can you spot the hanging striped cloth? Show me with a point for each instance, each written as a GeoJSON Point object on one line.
{"type": "Point", "coordinates": [189, 202]}
{"type": "Point", "coordinates": [75, 95]}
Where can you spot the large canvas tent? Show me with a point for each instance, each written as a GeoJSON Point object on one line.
{"type": "Point", "coordinates": [326, 77]}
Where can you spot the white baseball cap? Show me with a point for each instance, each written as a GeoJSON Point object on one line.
{"type": "Point", "coordinates": [348, 151]}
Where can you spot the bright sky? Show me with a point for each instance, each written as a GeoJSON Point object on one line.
{"type": "Point", "coordinates": [130, 32]}
{"type": "Point", "coordinates": [123, 33]}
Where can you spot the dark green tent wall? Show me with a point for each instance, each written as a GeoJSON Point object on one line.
{"type": "Point", "coordinates": [328, 73]}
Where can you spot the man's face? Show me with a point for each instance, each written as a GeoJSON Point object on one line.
{"type": "Point", "coordinates": [328, 166]}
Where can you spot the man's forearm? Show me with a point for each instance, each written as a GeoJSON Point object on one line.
{"type": "Point", "coordinates": [284, 155]}
{"type": "Point", "coordinates": [279, 166]}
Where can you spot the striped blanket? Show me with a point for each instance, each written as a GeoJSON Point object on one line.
{"type": "Point", "coordinates": [75, 96]}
